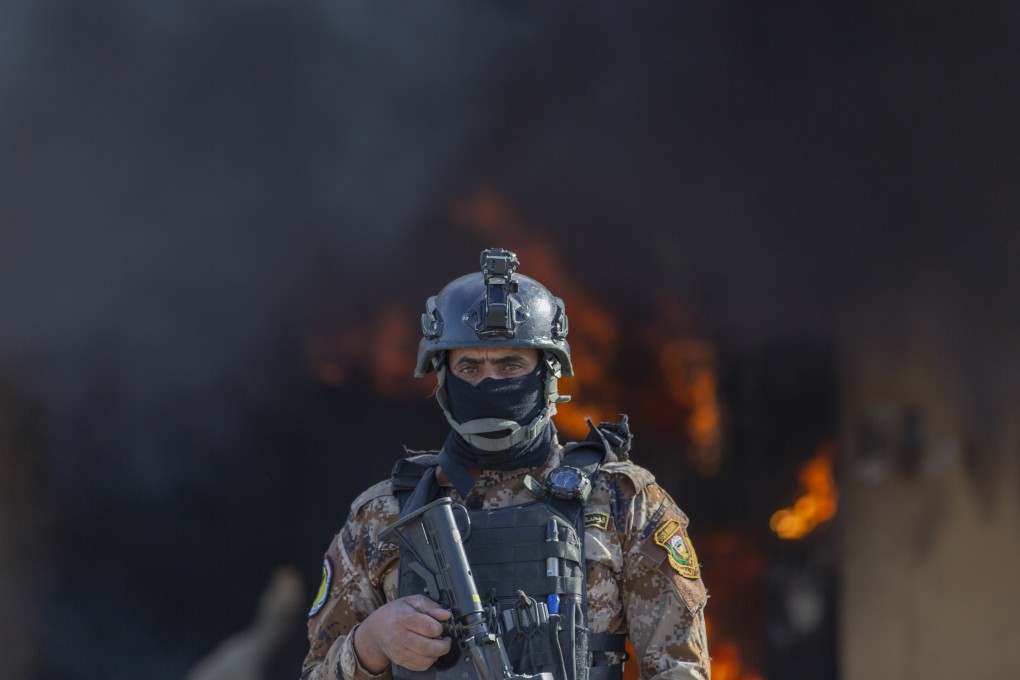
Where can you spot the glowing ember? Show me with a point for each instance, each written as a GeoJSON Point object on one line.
{"type": "Point", "coordinates": [817, 502]}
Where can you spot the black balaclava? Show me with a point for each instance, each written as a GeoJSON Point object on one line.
{"type": "Point", "coordinates": [518, 399]}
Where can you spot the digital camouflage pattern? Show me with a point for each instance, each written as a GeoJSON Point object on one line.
{"type": "Point", "coordinates": [634, 587]}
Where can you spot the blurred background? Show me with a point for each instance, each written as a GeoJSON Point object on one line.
{"type": "Point", "coordinates": [785, 233]}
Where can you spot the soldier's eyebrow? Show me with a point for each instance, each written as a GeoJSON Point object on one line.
{"type": "Point", "coordinates": [499, 361]}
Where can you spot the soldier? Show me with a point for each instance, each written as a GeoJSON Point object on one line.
{"type": "Point", "coordinates": [576, 533]}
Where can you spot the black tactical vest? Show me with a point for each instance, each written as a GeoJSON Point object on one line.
{"type": "Point", "coordinates": [519, 556]}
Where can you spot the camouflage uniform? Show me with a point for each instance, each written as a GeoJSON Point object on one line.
{"type": "Point", "coordinates": [635, 586]}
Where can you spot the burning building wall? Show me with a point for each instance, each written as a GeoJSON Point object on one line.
{"type": "Point", "coordinates": [931, 516]}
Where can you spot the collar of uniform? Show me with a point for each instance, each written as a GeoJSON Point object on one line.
{"type": "Point", "coordinates": [490, 478]}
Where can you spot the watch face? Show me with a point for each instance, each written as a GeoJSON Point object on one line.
{"type": "Point", "coordinates": [566, 479]}
{"type": "Point", "coordinates": [569, 483]}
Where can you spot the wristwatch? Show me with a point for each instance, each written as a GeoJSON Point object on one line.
{"type": "Point", "coordinates": [569, 482]}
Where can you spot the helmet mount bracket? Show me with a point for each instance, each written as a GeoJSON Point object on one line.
{"type": "Point", "coordinates": [498, 312]}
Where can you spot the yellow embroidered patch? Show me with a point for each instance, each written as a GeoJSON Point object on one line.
{"type": "Point", "coordinates": [597, 520]}
{"type": "Point", "coordinates": [323, 594]}
{"type": "Point", "coordinates": [673, 537]}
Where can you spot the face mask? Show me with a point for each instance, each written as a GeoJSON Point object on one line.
{"type": "Point", "coordinates": [519, 399]}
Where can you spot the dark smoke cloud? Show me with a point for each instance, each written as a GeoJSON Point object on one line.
{"type": "Point", "coordinates": [172, 172]}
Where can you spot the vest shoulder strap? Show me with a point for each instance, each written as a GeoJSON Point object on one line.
{"type": "Point", "coordinates": [415, 472]}
{"type": "Point", "coordinates": [585, 456]}
{"type": "Point", "coordinates": [606, 443]}
{"type": "Point", "coordinates": [408, 471]}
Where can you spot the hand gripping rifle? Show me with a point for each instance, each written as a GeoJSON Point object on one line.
{"type": "Point", "coordinates": [430, 539]}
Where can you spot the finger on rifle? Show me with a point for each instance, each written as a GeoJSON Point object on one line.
{"type": "Point", "coordinates": [430, 607]}
{"type": "Point", "coordinates": [422, 623]}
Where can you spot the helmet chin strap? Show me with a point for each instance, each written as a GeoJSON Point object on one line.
{"type": "Point", "coordinates": [472, 430]}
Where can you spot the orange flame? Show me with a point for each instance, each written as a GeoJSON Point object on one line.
{"type": "Point", "coordinates": [727, 664]}
{"type": "Point", "coordinates": [384, 347]}
{"type": "Point", "coordinates": [818, 501]}
{"type": "Point", "coordinates": [689, 369]}
{"type": "Point", "coordinates": [393, 353]}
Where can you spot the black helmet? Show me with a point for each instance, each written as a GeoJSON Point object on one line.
{"type": "Point", "coordinates": [495, 308]}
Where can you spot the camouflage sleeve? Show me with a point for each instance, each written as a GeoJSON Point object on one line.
{"type": "Point", "coordinates": [349, 592]}
{"type": "Point", "coordinates": [663, 594]}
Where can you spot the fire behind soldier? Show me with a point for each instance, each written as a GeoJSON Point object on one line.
{"type": "Point", "coordinates": [573, 547]}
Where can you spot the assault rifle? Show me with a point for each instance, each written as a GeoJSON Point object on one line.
{"type": "Point", "coordinates": [430, 539]}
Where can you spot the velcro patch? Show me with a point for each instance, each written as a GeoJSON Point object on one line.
{"type": "Point", "coordinates": [323, 594]}
{"type": "Point", "coordinates": [672, 536]}
{"type": "Point", "coordinates": [596, 520]}
{"type": "Point", "coordinates": [675, 559]}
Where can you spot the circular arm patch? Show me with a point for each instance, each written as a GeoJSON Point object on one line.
{"type": "Point", "coordinates": [323, 594]}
